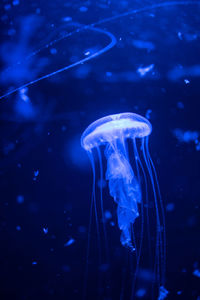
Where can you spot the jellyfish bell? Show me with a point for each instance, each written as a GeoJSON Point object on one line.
{"type": "Point", "coordinates": [107, 129]}
{"type": "Point", "coordinates": [124, 174]}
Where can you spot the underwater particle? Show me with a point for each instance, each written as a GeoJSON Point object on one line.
{"type": "Point", "coordinates": [170, 207]}
{"type": "Point", "coordinates": [83, 9]}
{"type": "Point", "coordinates": [36, 173]}
{"type": "Point", "coordinates": [23, 94]}
{"type": "Point", "coordinates": [107, 215]}
{"type": "Point", "coordinates": [87, 53]}
{"type": "Point", "coordinates": [148, 112]}
{"type": "Point", "coordinates": [7, 6]}
{"type": "Point", "coordinates": [180, 35]}
{"type": "Point", "coordinates": [180, 105]}
{"type": "Point", "coordinates": [69, 242]}
{"type": "Point", "coordinates": [140, 293]}
{"type": "Point", "coordinates": [143, 45]}
{"type": "Point", "coordinates": [45, 230]}
{"type": "Point", "coordinates": [23, 105]}
{"type": "Point", "coordinates": [143, 71]}
{"type": "Point", "coordinates": [179, 292]}
{"type": "Point", "coordinates": [190, 36]}
{"type": "Point", "coordinates": [18, 228]}
{"type": "Point", "coordinates": [197, 143]}
{"type": "Point", "coordinates": [53, 51]}
{"type": "Point", "coordinates": [34, 263]}
{"type": "Point", "coordinates": [108, 74]}
{"type": "Point", "coordinates": [162, 293]}
{"type": "Point", "coordinates": [112, 223]}
{"type": "Point", "coordinates": [20, 199]}
{"type": "Point", "coordinates": [186, 81]}
{"type": "Point", "coordinates": [15, 2]}
{"type": "Point", "coordinates": [185, 136]}
{"type": "Point", "coordinates": [196, 273]}
{"type": "Point", "coordinates": [67, 19]}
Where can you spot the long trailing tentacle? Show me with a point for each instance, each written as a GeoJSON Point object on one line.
{"type": "Point", "coordinates": [160, 263]}
{"type": "Point", "coordinates": [92, 206]}
{"type": "Point", "coordinates": [102, 206]}
{"type": "Point", "coordinates": [163, 254]}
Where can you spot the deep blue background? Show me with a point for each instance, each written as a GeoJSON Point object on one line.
{"type": "Point", "coordinates": [41, 158]}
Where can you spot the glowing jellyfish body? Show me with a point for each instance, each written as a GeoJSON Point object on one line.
{"type": "Point", "coordinates": [123, 184]}
{"type": "Point", "coordinates": [124, 175]}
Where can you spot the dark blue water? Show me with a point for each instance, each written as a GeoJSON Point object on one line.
{"type": "Point", "coordinates": [140, 57]}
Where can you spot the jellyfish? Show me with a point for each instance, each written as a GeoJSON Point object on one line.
{"type": "Point", "coordinates": [116, 134]}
